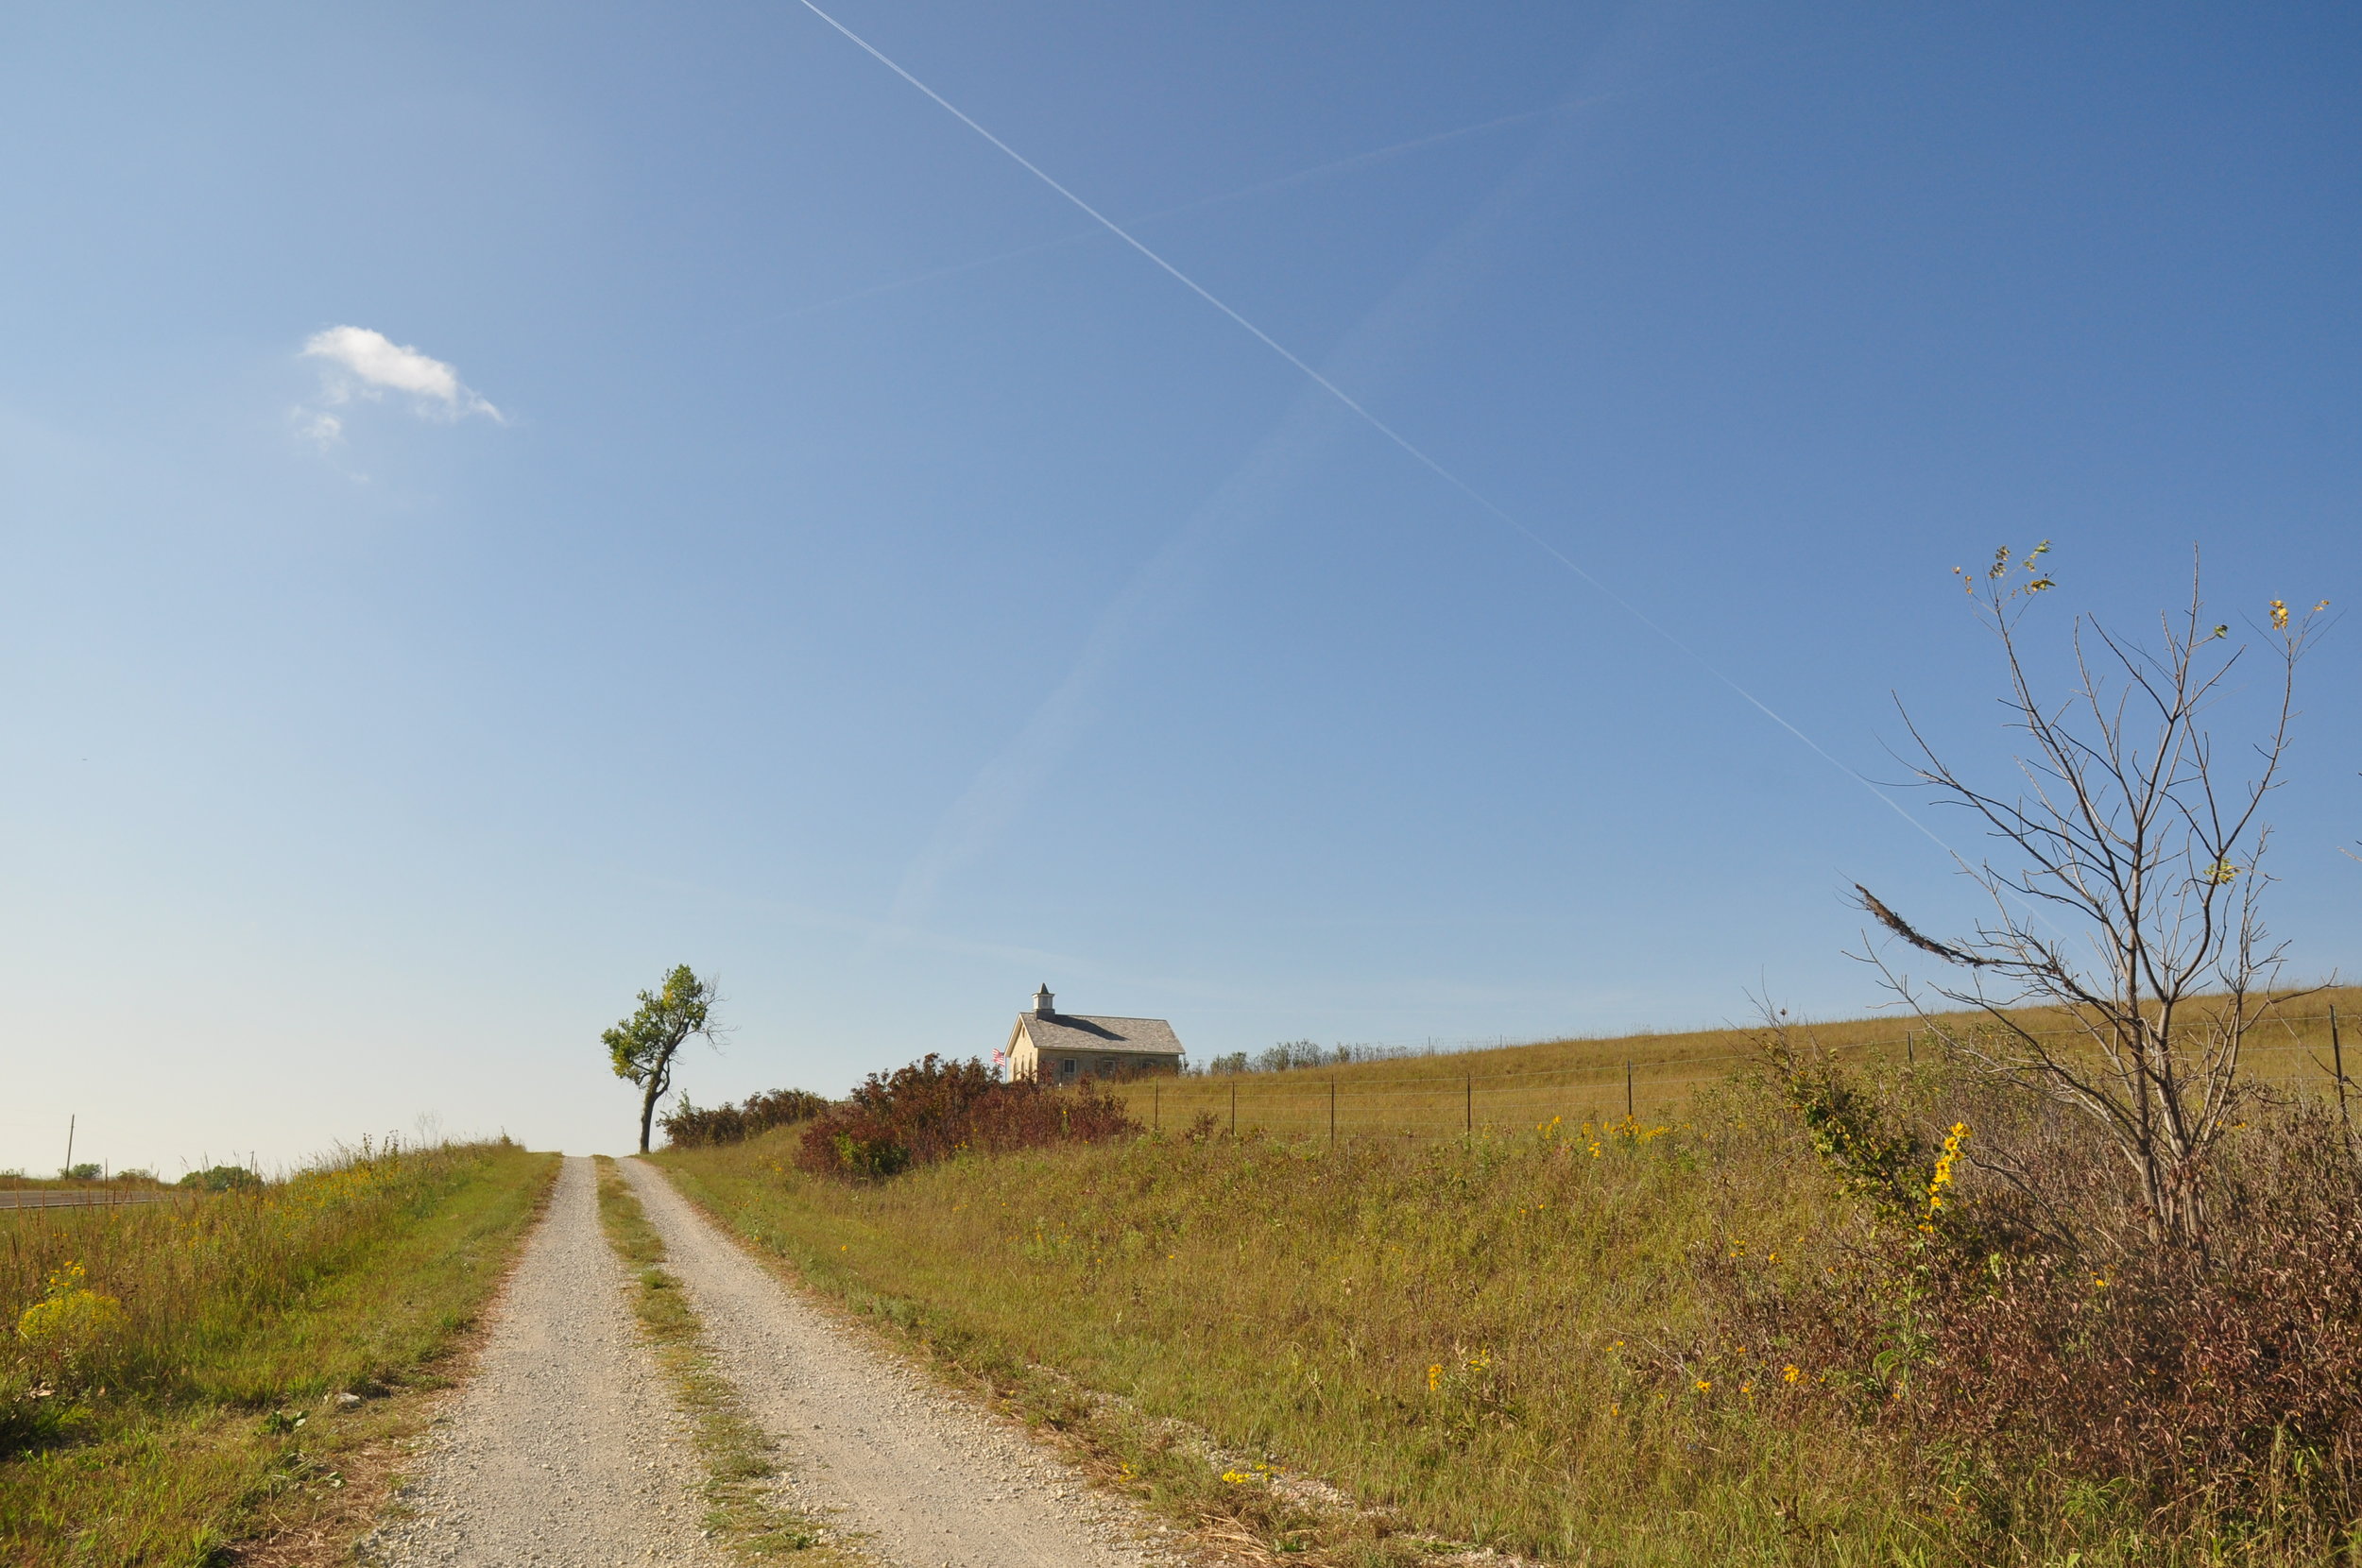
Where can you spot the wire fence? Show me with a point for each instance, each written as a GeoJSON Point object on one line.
{"type": "Point", "coordinates": [2300, 1055]}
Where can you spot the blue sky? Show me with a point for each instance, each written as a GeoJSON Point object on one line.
{"type": "Point", "coordinates": [798, 544]}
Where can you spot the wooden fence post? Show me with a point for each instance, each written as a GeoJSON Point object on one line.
{"type": "Point", "coordinates": [2337, 1064]}
{"type": "Point", "coordinates": [1468, 1111]}
{"type": "Point", "coordinates": [1332, 1113]}
{"type": "Point", "coordinates": [1627, 1091]}
{"type": "Point", "coordinates": [1234, 1105]}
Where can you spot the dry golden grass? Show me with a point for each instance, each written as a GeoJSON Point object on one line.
{"type": "Point", "coordinates": [1580, 1080]}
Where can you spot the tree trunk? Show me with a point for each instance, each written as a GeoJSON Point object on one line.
{"type": "Point", "coordinates": [648, 1110]}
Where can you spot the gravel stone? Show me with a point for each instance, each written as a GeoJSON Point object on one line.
{"type": "Point", "coordinates": [566, 1450]}
{"type": "Point", "coordinates": [921, 1477]}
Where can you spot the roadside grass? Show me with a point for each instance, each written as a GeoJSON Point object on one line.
{"type": "Point", "coordinates": [1494, 1341]}
{"type": "Point", "coordinates": [741, 1465]}
{"type": "Point", "coordinates": [197, 1381]}
{"type": "Point", "coordinates": [1509, 1087]}
{"type": "Point", "coordinates": [1514, 1341]}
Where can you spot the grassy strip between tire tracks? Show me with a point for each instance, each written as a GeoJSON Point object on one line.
{"type": "Point", "coordinates": [264, 1360]}
{"type": "Point", "coordinates": [741, 1465]}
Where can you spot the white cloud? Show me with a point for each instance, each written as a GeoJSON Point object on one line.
{"type": "Point", "coordinates": [366, 363]}
{"type": "Point", "coordinates": [318, 426]}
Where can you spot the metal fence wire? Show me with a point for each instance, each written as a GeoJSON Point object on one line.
{"type": "Point", "coordinates": [2306, 1056]}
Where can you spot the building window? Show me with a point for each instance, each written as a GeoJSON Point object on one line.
{"type": "Point", "coordinates": [1066, 1068]}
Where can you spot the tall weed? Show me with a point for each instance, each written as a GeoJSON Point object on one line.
{"type": "Point", "coordinates": [170, 1300]}
{"type": "Point", "coordinates": [2051, 1360]}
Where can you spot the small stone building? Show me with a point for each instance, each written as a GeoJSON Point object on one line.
{"type": "Point", "coordinates": [1065, 1047]}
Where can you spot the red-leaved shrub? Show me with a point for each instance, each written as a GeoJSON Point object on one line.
{"type": "Point", "coordinates": [934, 1109]}
{"type": "Point", "coordinates": [688, 1126]}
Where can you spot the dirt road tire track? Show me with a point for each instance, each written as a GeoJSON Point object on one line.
{"type": "Point", "coordinates": [565, 1450]}
{"type": "Point", "coordinates": [925, 1477]}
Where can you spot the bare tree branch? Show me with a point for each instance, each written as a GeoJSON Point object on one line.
{"type": "Point", "coordinates": [1902, 928]}
{"type": "Point", "coordinates": [2120, 825]}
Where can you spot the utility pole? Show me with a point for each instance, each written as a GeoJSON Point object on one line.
{"type": "Point", "coordinates": [69, 1144]}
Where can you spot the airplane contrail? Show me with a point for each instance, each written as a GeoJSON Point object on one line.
{"type": "Point", "coordinates": [1402, 443]}
{"type": "Point", "coordinates": [1280, 182]}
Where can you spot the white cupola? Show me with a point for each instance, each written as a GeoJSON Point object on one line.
{"type": "Point", "coordinates": [1041, 1003]}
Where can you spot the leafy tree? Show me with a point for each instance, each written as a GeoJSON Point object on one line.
{"type": "Point", "coordinates": [221, 1178]}
{"type": "Point", "coordinates": [642, 1048]}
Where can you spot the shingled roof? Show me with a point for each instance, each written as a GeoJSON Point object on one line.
{"type": "Point", "coordinates": [1057, 1031]}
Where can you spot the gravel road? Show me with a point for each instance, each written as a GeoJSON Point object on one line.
{"type": "Point", "coordinates": [927, 1478]}
{"type": "Point", "coordinates": [565, 1450]}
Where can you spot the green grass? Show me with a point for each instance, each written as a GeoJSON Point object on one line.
{"type": "Point", "coordinates": [741, 1460]}
{"type": "Point", "coordinates": [1511, 1337]}
{"type": "Point", "coordinates": [200, 1410]}
{"type": "Point", "coordinates": [1494, 1341]}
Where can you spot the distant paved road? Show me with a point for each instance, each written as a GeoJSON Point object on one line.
{"type": "Point", "coordinates": [73, 1198]}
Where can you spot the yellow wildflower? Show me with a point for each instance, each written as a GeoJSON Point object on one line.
{"type": "Point", "coordinates": [69, 1313]}
{"type": "Point", "coordinates": [1943, 1177]}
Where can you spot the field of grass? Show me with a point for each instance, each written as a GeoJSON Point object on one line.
{"type": "Point", "coordinates": [1495, 1340]}
{"type": "Point", "coordinates": [1511, 1336]}
{"type": "Point", "coordinates": [171, 1385]}
{"type": "Point", "coordinates": [1585, 1080]}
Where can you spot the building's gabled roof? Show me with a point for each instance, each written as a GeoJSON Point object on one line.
{"type": "Point", "coordinates": [1106, 1037]}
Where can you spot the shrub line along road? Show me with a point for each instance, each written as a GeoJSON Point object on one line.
{"type": "Point", "coordinates": [566, 1450]}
